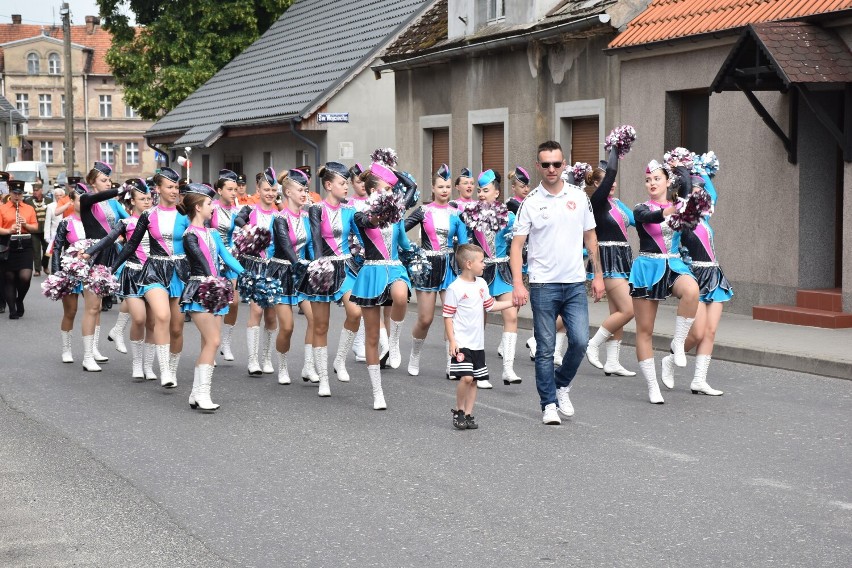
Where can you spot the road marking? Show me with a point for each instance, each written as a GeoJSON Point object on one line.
{"type": "Point", "coordinates": [663, 452]}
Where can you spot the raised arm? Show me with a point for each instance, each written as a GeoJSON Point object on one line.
{"type": "Point", "coordinates": [108, 240]}
{"type": "Point", "coordinates": [130, 246]}
{"type": "Point", "coordinates": [415, 218]}
{"type": "Point", "coordinates": [242, 217]}
{"type": "Point", "coordinates": [601, 194]}
{"type": "Point", "coordinates": [643, 214]}
{"type": "Point", "coordinates": [89, 199]}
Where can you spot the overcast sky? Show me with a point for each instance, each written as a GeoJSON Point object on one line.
{"type": "Point", "coordinates": [46, 11]}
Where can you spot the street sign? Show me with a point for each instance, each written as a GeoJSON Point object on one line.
{"type": "Point", "coordinates": [333, 117]}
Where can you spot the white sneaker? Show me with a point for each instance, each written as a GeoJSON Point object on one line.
{"type": "Point", "coordinates": [484, 385]}
{"type": "Point", "coordinates": [563, 402]}
{"type": "Point", "coordinates": [550, 416]}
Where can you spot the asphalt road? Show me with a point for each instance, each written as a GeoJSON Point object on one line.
{"type": "Point", "coordinates": [97, 470]}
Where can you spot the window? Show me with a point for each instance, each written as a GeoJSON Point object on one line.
{"type": "Point", "coordinates": [105, 106]}
{"type": "Point", "coordinates": [440, 148]}
{"type": "Point", "coordinates": [107, 152]}
{"type": "Point", "coordinates": [32, 64]}
{"type": "Point", "coordinates": [694, 121]}
{"type": "Point", "coordinates": [496, 9]}
{"type": "Point", "coordinates": [46, 152]}
{"type": "Point", "coordinates": [22, 103]}
{"type": "Point", "coordinates": [54, 64]}
{"type": "Point", "coordinates": [492, 148]}
{"type": "Point", "coordinates": [130, 112]}
{"type": "Point", "coordinates": [62, 102]}
{"type": "Point", "coordinates": [131, 154]}
{"type": "Point", "coordinates": [45, 106]}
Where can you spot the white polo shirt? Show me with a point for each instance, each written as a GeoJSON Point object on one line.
{"type": "Point", "coordinates": [554, 225]}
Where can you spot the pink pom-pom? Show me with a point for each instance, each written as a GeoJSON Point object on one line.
{"type": "Point", "coordinates": [580, 169]}
{"type": "Point", "coordinates": [57, 286]}
{"type": "Point", "coordinates": [622, 137]}
{"type": "Point", "coordinates": [101, 281]}
{"type": "Point", "coordinates": [385, 208]}
{"type": "Point", "coordinates": [214, 293]}
{"type": "Point", "coordinates": [251, 240]}
{"type": "Point", "coordinates": [385, 156]}
{"type": "Point", "coordinates": [697, 204]}
{"type": "Point", "coordinates": [321, 275]}
{"type": "Point", "coordinates": [679, 154]}
{"type": "Point", "coordinates": [484, 216]}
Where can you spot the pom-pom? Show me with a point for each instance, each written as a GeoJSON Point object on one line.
{"type": "Point", "coordinates": [245, 284]}
{"type": "Point", "coordinates": [418, 265]}
{"type": "Point", "coordinates": [385, 208]}
{"type": "Point", "coordinates": [385, 156]}
{"type": "Point", "coordinates": [679, 154]}
{"type": "Point", "coordinates": [74, 266]}
{"type": "Point", "coordinates": [706, 163]}
{"type": "Point", "coordinates": [580, 169]}
{"type": "Point", "coordinates": [697, 204]}
{"type": "Point", "coordinates": [485, 216]}
{"type": "Point", "coordinates": [57, 286]}
{"type": "Point", "coordinates": [267, 291]}
{"type": "Point", "coordinates": [101, 281]}
{"type": "Point", "coordinates": [622, 137]}
{"type": "Point", "coordinates": [355, 248]}
{"type": "Point", "coordinates": [321, 275]}
{"type": "Point", "coordinates": [214, 293]}
{"type": "Point", "coordinates": [251, 240]}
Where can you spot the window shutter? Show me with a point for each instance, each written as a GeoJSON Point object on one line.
{"type": "Point", "coordinates": [492, 151]}
{"type": "Point", "coordinates": [585, 145]}
{"type": "Point", "coordinates": [440, 148]}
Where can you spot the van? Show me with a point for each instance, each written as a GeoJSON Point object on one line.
{"type": "Point", "coordinates": [28, 172]}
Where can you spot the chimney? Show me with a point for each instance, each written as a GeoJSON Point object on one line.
{"type": "Point", "coordinates": [91, 22]}
{"type": "Point", "coordinates": [16, 19]}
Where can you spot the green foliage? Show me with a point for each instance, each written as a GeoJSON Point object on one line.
{"type": "Point", "coordinates": [179, 45]}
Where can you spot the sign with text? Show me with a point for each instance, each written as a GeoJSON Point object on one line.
{"type": "Point", "coordinates": [333, 117]}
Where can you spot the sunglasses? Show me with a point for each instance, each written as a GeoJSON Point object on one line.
{"type": "Point", "coordinates": [548, 165]}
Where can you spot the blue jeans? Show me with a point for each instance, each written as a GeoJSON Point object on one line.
{"type": "Point", "coordinates": [549, 301]}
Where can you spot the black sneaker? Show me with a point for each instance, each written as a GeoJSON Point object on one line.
{"type": "Point", "coordinates": [471, 425]}
{"type": "Point", "coordinates": [459, 420]}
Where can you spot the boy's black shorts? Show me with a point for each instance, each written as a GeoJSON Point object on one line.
{"type": "Point", "coordinates": [469, 363]}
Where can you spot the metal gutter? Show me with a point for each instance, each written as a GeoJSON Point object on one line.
{"type": "Point", "coordinates": [508, 41]}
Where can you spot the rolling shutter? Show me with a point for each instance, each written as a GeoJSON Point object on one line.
{"type": "Point", "coordinates": [585, 145]}
{"type": "Point", "coordinates": [492, 149]}
{"type": "Point", "coordinates": [440, 148]}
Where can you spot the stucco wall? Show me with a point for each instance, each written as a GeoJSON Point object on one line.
{"type": "Point", "coordinates": [757, 215]}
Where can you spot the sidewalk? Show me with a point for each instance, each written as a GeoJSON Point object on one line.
{"type": "Point", "coordinates": [740, 339]}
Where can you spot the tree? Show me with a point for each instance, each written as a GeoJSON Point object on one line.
{"type": "Point", "coordinates": [178, 45]}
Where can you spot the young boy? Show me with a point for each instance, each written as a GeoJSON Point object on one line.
{"type": "Point", "coordinates": [464, 322]}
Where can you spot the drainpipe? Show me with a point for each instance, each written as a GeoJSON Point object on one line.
{"type": "Point", "coordinates": [309, 142]}
{"type": "Point", "coordinates": [154, 148]}
{"type": "Point", "coordinates": [86, 118]}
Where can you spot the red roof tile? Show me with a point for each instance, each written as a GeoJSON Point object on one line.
{"type": "Point", "coordinates": [670, 19]}
{"type": "Point", "coordinates": [99, 41]}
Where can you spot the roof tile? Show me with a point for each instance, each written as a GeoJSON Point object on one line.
{"type": "Point", "coordinates": [670, 19]}
{"type": "Point", "coordinates": [99, 40]}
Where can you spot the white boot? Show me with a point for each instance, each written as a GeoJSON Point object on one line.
{"type": "Point", "coordinates": [682, 326]}
{"type": "Point", "coordinates": [283, 372]}
{"type": "Point", "coordinates": [95, 352]}
{"type": "Point", "coordinates": [321, 364]}
{"type": "Point", "coordinates": [136, 349]}
{"type": "Point", "coordinates": [202, 394]}
{"type": "Point", "coordinates": [414, 358]}
{"type": "Point", "coordinates": [384, 348]}
{"type": "Point", "coordinates": [500, 348]}
{"type": "Point", "coordinates": [266, 350]}
{"type": "Point", "coordinates": [89, 362]}
{"type": "Point", "coordinates": [376, 380]}
{"type": "Point", "coordinates": [699, 382]}
{"type": "Point", "coordinates": [343, 346]}
{"type": "Point", "coordinates": [559, 348]}
{"type": "Point", "coordinates": [174, 360]}
{"type": "Point", "coordinates": [163, 360]}
{"type": "Point", "coordinates": [667, 371]}
{"type": "Point", "coordinates": [117, 332]}
{"type": "Point", "coordinates": [309, 372]}
{"type": "Point", "coordinates": [253, 341]}
{"type": "Point", "coordinates": [395, 358]}
{"type": "Point", "coordinates": [510, 339]}
{"type": "Point", "coordinates": [225, 346]}
{"type": "Point", "coordinates": [650, 371]}
{"type": "Point", "coordinates": [196, 380]}
{"type": "Point", "coordinates": [148, 363]}
{"type": "Point", "coordinates": [613, 364]}
{"type": "Point", "coordinates": [531, 345]}
{"type": "Point", "coordinates": [594, 344]}
{"type": "Point", "coordinates": [359, 347]}
{"type": "Point", "coordinates": [67, 355]}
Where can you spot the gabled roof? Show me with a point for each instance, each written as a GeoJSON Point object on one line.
{"type": "Point", "coordinates": [307, 55]}
{"type": "Point", "coordinates": [789, 52]}
{"type": "Point", "coordinates": [99, 41]}
{"type": "Point", "coordinates": [429, 33]}
{"type": "Point", "coordinates": [665, 20]}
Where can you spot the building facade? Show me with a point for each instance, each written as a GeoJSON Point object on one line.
{"type": "Point", "coordinates": [32, 78]}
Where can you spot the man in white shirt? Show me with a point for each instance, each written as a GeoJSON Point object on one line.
{"type": "Point", "coordinates": [556, 220]}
